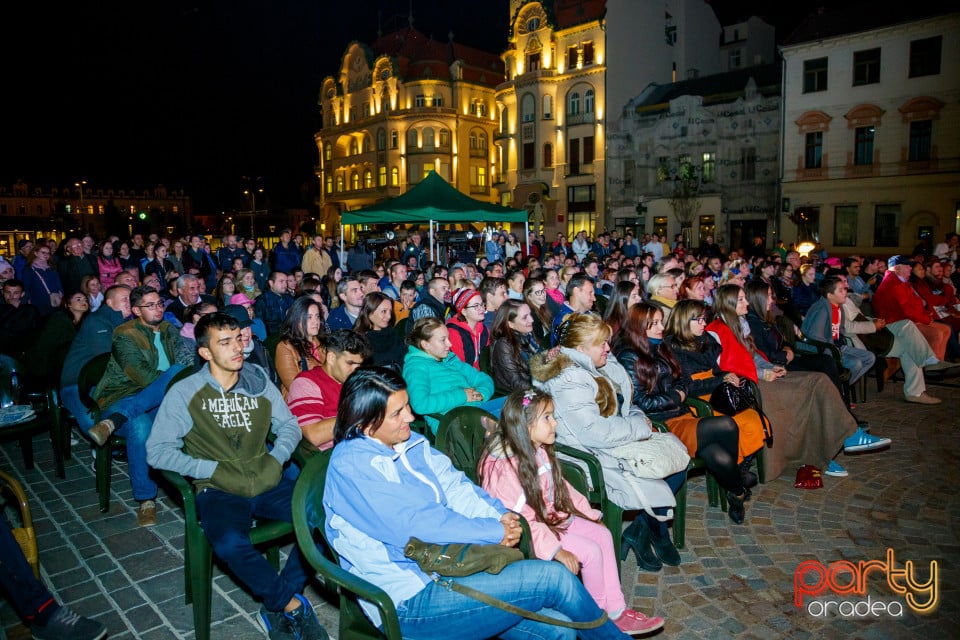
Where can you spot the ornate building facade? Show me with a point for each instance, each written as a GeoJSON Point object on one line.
{"type": "Point", "coordinates": [400, 108]}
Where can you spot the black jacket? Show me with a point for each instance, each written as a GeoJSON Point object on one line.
{"type": "Point", "coordinates": [704, 358]}
{"type": "Point", "coordinates": [664, 401]}
{"type": "Point", "coordinates": [767, 338]}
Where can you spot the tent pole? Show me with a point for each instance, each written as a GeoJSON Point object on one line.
{"type": "Point", "coordinates": [341, 246]}
{"type": "Point", "coordinates": [526, 225]}
{"type": "Point", "coordinates": [431, 242]}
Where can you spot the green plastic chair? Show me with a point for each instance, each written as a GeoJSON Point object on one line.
{"type": "Point", "coordinates": [90, 374]}
{"type": "Point", "coordinates": [308, 524]}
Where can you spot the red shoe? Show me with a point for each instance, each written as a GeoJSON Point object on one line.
{"type": "Point", "coordinates": [633, 623]}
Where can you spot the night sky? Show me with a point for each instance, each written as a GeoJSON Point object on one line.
{"type": "Point", "coordinates": [195, 95]}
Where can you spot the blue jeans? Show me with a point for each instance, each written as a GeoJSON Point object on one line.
{"type": "Point", "coordinates": [226, 520]}
{"type": "Point", "coordinates": [858, 361]}
{"type": "Point", "coordinates": [536, 585]}
{"type": "Point", "coordinates": [70, 399]}
{"type": "Point", "coordinates": [139, 410]}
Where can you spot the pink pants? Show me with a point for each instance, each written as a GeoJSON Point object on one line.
{"type": "Point", "coordinates": [593, 546]}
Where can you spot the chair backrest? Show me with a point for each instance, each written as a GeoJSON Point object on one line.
{"type": "Point", "coordinates": [484, 360]}
{"type": "Point", "coordinates": [271, 345]}
{"type": "Point", "coordinates": [401, 327]}
{"type": "Point", "coordinates": [180, 375]}
{"type": "Point", "coordinates": [90, 374]}
{"type": "Point", "coordinates": [308, 524]}
{"type": "Point", "coordinates": [461, 436]}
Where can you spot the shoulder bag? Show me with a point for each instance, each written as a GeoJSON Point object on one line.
{"type": "Point", "coordinates": [464, 559]}
{"type": "Point", "coordinates": [730, 399]}
{"type": "Point", "coordinates": [660, 455]}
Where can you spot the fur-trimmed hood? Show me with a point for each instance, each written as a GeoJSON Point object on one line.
{"type": "Point", "coordinates": [544, 368]}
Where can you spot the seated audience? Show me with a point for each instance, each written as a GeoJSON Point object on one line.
{"type": "Point", "coordinates": [376, 325]}
{"type": "Point", "coordinates": [301, 341]}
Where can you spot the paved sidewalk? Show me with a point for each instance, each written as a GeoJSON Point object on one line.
{"type": "Point", "coordinates": [735, 581]}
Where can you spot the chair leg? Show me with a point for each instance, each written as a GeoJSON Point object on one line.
{"type": "Point", "coordinates": [26, 448]}
{"type": "Point", "coordinates": [761, 466]}
{"type": "Point", "coordinates": [680, 518]}
{"type": "Point", "coordinates": [713, 490]}
{"type": "Point", "coordinates": [201, 579]}
{"type": "Point", "coordinates": [102, 465]}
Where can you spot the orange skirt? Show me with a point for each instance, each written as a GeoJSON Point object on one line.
{"type": "Point", "coordinates": [751, 431]}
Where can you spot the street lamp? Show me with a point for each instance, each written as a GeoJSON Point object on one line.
{"type": "Point", "coordinates": [83, 225]}
{"type": "Point", "coordinates": [252, 191]}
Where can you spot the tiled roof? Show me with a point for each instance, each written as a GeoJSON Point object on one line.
{"type": "Point", "coordinates": [843, 20]}
{"type": "Point", "coordinates": [716, 88]}
{"type": "Point", "coordinates": [419, 56]}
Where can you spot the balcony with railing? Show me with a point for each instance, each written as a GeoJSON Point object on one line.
{"type": "Point", "coordinates": [588, 117]}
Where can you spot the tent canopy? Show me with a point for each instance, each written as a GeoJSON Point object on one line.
{"type": "Point", "coordinates": [433, 199]}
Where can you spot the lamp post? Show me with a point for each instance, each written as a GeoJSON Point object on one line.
{"type": "Point", "coordinates": [83, 225]}
{"type": "Point", "coordinates": [252, 190]}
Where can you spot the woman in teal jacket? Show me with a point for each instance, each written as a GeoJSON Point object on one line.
{"type": "Point", "coordinates": [437, 379]}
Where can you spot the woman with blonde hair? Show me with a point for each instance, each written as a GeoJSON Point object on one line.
{"type": "Point", "coordinates": [592, 393]}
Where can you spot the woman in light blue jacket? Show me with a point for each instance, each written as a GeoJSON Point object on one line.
{"type": "Point", "coordinates": [385, 485]}
{"type": "Point", "coordinates": [440, 381]}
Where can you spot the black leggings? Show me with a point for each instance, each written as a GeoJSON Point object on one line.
{"type": "Point", "coordinates": [718, 445]}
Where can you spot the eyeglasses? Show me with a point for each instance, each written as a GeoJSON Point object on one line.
{"type": "Point", "coordinates": [479, 305]}
{"type": "Point", "coordinates": [668, 286]}
{"type": "Point", "coordinates": [151, 305]}
{"type": "Point", "coordinates": [538, 292]}
{"type": "Point", "coordinates": [702, 319]}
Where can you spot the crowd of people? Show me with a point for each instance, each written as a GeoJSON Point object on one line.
{"type": "Point", "coordinates": [584, 343]}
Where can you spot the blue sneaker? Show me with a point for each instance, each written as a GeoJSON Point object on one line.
{"type": "Point", "coordinates": [836, 470]}
{"type": "Point", "coordinates": [304, 621]}
{"type": "Point", "coordinates": [863, 441]}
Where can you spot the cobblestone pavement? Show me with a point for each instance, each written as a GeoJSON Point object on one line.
{"type": "Point", "coordinates": [735, 581]}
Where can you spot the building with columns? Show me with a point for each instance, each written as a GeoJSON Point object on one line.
{"type": "Point", "coordinates": [397, 109]}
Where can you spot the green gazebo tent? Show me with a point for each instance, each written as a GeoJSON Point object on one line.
{"type": "Point", "coordinates": [435, 201]}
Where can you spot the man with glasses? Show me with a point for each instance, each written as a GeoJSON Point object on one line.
{"type": "Point", "coordinates": [662, 289]}
{"type": "Point", "coordinates": [146, 353]}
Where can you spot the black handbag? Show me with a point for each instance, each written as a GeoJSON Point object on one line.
{"type": "Point", "coordinates": [730, 399]}
{"type": "Point", "coordinates": [458, 560]}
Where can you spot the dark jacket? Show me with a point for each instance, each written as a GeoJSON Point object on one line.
{"type": "Point", "coordinates": [272, 309]}
{"type": "Point", "coordinates": [285, 258]}
{"type": "Point", "coordinates": [134, 360]}
{"type": "Point", "coordinates": [428, 307]}
{"type": "Point", "coordinates": [663, 402]}
{"type": "Point", "coordinates": [387, 346]}
{"type": "Point", "coordinates": [767, 338]}
{"type": "Point", "coordinates": [71, 270]}
{"type": "Point", "coordinates": [511, 371]}
{"type": "Point", "coordinates": [704, 358]}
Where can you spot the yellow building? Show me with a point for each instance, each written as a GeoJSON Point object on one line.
{"type": "Point", "coordinates": [399, 108]}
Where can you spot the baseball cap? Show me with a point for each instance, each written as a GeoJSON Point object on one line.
{"type": "Point", "coordinates": [898, 259]}
{"type": "Point", "coordinates": [238, 313]}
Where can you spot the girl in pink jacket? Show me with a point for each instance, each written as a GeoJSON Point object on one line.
{"type": "Point", "coordinates": [520, 468]}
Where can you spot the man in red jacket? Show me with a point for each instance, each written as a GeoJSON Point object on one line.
{"type": "Point", "coordinates": [896, 300]}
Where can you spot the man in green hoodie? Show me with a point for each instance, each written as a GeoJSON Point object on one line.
{"type": "Point", "coordinates": [213, 427]}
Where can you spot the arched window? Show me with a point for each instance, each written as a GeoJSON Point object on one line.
{"type": "Point", "coordinates": [339, 184]}
{"type": "Point", "coordinates": [367, 144]}
{"type": "Point", "coordinates": [548, 156]}
{"type": "Point", "coordinates": [394, 139]}
{"type": "Point", "coordinates": [395, 177]}
{"type": "Point", "coordinates": [528, 108]}
{"type": "Point", "coordinates": [381, 139]}
{"type": "Point", "coordinates": [412, 139]}
{"type": "Point", "coordinates": [328, 151]}
{"type": "Point", "coordinates": [547, 106]}
{"type": "Point", "coordinates": [354, 181]}
{"type": "Point", "coordinates": [368, 179]}
{"type": "Point", "coordinates": [588, 101]}
{"type": "Point", "coordinates": [428, 138]}
{"type": "Point", "coordinates": [573, 104]}
{"type": "Point", "coordinates": [382, 176]}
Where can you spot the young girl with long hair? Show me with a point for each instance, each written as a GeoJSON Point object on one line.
{"type": "Point", "coordinates": [519, 467]}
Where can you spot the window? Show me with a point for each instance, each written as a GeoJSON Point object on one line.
{"type": "Point", "coordinates": [813, 151]}
{"type": "Point", "coordinates": [573, 104]}
{"type": "Point", "coordinates": [533, 61]}
{"type": "Point", "coordinates": [428, 167]}
{"type": "Point", "coordinates": [395, 177]}
{"type": "Point", "coordinates": [355, 181]}
{"type": "Point", "coordinates": [367, 144]}
{"type": "Point", "coordinates": [533, 24]}
{"type": "Point", "coordinates": [925, 57]}
{"type": "Point", "coordinates": [420, 101]}
{"type": "Point", "coordinates": [573, 155]}
{"type": "Point", "coordinates": [547, 106]}
{"type": "Point", "coordinates": [478, 177]}
{"type": "Point", "coordinates": [582, 198]}
{"type": "Point", "coordinates": [734, 58]}
{"type": "Point", "coordinates": [815, 75]}
{"type": "Point", "coordinates": [438, 101]}
{"type": "Point", "coordinates": [354, 147]}
{"type": "Point", "coordinates": [353, 114]}
{"type": "Point", "coordinates": [529, 108]}
{"type": "Point", "coordinates": [382, 176]}
{"type": "Point", "coordinates": [588, 101]}
{"type": "Point", "coordinates": [411, 139]}
{"type": "Point", "coordinates": [328, 151]}
{"type": "Point", "coordinates": [339, 184]}
{"type": "Point", "coordinates": [748, 164]}
{"type": "Point", "coordinates": [548, 156]}
{"type": "Point", "coordinates": [444, 137]}
{"type": "Point", "coordinates": [504, 121]}
{"type": "Point", "coordinates": [886, 225]}
{"type": "Point", "coordinates": [478, 108]}
{"type": "Point", "coordinates": [572, 58]}
{"type": "Point", "coordinates": [588, 150]}
{"type": "Point", "coordinates": [483, 141]}
{"type": "Point", "coordinates": [921, 133]}
{"type": "Point", "coordinates": [709, 170]}
{"type": "Point", "coordinates": [394, 139]}
{"type": "Point", "coordinates": [866, 67]}
{"type": "Point", "coordinates": [474, 141]}
{"type": "Point", "coordinates": [428, 139]}
{"type": "Point", "coordinates": [863, 146]}
{"type": "Point", "coordinates": [845, 226]}
{"type": "Point", "coordinates": [529, 161]}
{"type": "Point", "coordinates": [381, 139]}
{"type": "Point", "coordinates": [587, 53]}
{"type": "Point", "coordinates": [413, 173]}
{"type": "Point", "coordinates": [366, 109]}
{"type": "Point", "coordinates": [329, 184]}
{"type": "Point", "coordinates": [368, 179]}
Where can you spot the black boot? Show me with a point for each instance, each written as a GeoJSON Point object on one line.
{"type": "Point", "coordinates": [749, 477]}
{"type": "Point", "coordinates": [664, 547]}
{"type": "Point", "coordinates": [637, 537]}
{"type": "Point", "coordinates": [735, 507]}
